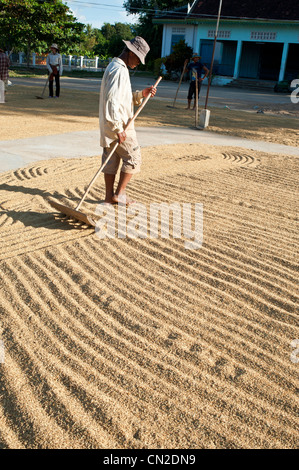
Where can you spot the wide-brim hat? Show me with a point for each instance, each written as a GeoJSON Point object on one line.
{"type": "Point", "coordinates": [195, 55]}
{"type": "Point", "coordinates": [54, 46]}
{"type": "Point", "coordinates": [139, 46]}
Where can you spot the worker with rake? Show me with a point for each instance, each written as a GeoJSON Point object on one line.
{"type": "Point", "coordinates": [54, 66]}
{"type": "Point", "coordinates": [115, 111]}
{"type": "Point", "coordinates": [196, 67]}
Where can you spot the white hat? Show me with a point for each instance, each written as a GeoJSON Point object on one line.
{"type": "Point", "coordinates": [139, 46]}
{"type": "Point", "coordinates": [54, 46]}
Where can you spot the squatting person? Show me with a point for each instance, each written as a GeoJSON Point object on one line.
{"type": "Point", "coordinates": [115, 110]}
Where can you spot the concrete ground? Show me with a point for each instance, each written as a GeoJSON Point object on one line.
{"type": "Point", "coordinates": [21, 152]}
{"type": "Point", "coordinates": [218, 96]}
{"type": "Point", "coordinates": [18, 153]}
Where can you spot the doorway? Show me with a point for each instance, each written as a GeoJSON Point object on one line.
{"type": "Point", "coordinates": [260, 61]}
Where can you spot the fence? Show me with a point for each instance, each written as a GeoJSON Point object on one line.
{"type": "Point", "coordinates": [69, 62]}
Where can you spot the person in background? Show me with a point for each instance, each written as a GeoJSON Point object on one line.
{"type": "Point", "coordinates": [4, 66]}
{"type": "Point", "coordinates": [195, 66]}
{"type": "Point", "coordinates": [55, 68]}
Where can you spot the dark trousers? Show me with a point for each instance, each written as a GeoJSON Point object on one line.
{"type": "Point", "coordinates": [51, 85]}
{"type": "Point", "coordinates": [192, 89]}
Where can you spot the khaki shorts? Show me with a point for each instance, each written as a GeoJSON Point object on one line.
{"type": "Point", "coordinates": [128, 152]}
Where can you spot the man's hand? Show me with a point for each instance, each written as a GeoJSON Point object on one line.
{"type": "Point", "coordinates": [121, 137]}
{"type": "Point", "coordinates": [150, 90]}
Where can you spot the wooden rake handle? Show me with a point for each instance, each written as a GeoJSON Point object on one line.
{"type": "Point", "coordinates": [47, 81]}
{"type": "Point", "coordinates": [181, 78]}
{"type": "Point", "coordinates": [116, 145]}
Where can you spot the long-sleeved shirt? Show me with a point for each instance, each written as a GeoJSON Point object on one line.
{"type": "Point", "coordinates": [116, 101]}
{"type": "Point", "coordinates": [54, 59]}
{"type": "Point", "coordinates": [4, 65]}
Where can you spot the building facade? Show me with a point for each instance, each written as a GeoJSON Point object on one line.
{"type": "Point", "coordinates": [257, 40]}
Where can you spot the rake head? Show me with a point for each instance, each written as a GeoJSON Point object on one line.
{"type": "Point", "coordinates": [72, 213]}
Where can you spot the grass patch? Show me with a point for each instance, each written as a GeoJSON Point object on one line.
{"type": "Point", "coordinates": [25, 72]}
{"type": "Point", "coordinates": [22, 72]}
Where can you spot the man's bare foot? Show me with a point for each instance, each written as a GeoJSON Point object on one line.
{"type": "Point", "coordinates": [109, 201]}
{"type": "Point", "coordinates": [122, 199]}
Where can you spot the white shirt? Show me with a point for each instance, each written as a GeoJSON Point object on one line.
{"type": "Point", "coordinates": [116, 101]}
{"type": "Point", "coordinates": [54, 59]}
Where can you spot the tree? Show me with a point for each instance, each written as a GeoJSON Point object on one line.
{"type": "Point", "coordinates": [34, 24]}
{"type": "Point", "coordinates": [116, 44]}
{"type": "Point", "coordinates": [152, 6]}
{"type": "Point", "coordinates": [101, 47]}
{"type": "Point", "coordinates": [110, 42]}
{"type": "Point", "coordinates": [90, 37]}
{"type": "Point", "coordinates": [152, 33]}
{"type": "Point", "coordinates": [175, 61]}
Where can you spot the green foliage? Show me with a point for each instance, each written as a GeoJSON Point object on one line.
{"type": "Point", "coordinates": [35, 24]}
{"type": "Point", "coordinates": [110, 39]}
{"type": "Point", "coordinates": [147, 7]}
{"type": "Point", "coordinates": [152, 33]}
{"type": "Point", "coordinates": [116, 45]}
{"type": "Point", "coordinates": [89, 39]}
{"type": "Point", "coordinates": [100, 49]}
{"type": "Point", "coordinates": [175, 61]}
{"type": "Point", "coordinates": [32, 25]}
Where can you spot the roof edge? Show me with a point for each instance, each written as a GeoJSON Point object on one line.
{"type": "Point", "coordinates": [225, 20]}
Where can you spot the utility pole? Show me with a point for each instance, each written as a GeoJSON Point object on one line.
{"type": "Point", "coordinates": [205, 113]}
{"type": "Point", "coordinates": [213, 54]}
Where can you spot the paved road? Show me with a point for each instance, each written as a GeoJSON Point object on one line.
{"type": "Point", "coordinates": [219, 96]}
{"type": "Point", "coordinates": [18, 153]}
{"type": "Point", "coordinates": [21, 152]}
